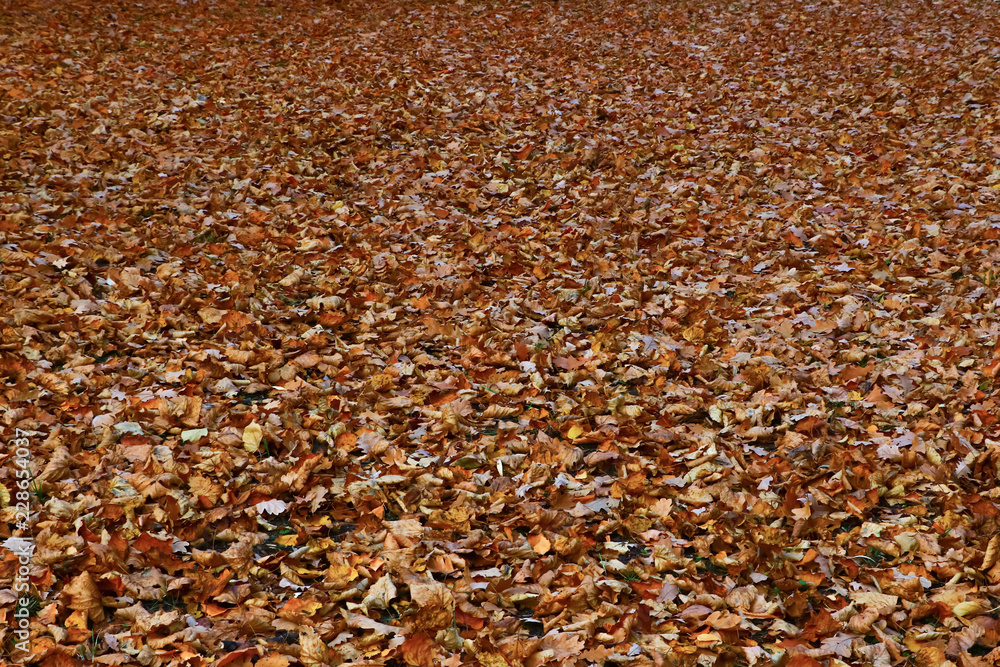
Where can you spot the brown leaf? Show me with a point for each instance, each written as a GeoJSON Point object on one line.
{"type": "Point", "coordinates": [85, 596]}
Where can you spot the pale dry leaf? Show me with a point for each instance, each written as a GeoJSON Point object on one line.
{"type": "Point", "coordinates": [879, 601]}
{"type": "Point", "coordinates": [742, 598]}
{"type": "Point", "coordinates": [273, 507]}
{"type": "Point", "coordinates": [252, 436]}
{"type": "Point", "coordinates": [380, 595]}
{"type": "Point", "coordinates": [314, 652]}
{"type": "Point", "coordinates": [861, 623]}
{"type": "Point", "coordinates": [430, 593]}
{"type": "Point", "coordinates": [405, 527]}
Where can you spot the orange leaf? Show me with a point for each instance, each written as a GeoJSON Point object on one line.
{"type": "Point", "coordinates": [146, 542]}
{"type": "Point", "coordinates": [346, 441]}
{"type": "Point", "coordinates": [238, 657]}
{"type": "Point", "coordinates": [793, 239]}
{"type": "Point", "coordinates": [76, 621]}
{"type": "Point", "coordinates": [814, 578]}
{"type": "Point", "coordinates": [273, 660]}
{"type": "Point", "coordinates": [212, 609]}
{"type": "Point", "coordinates": [419, 650]}
{"type": "Point", "coordinates": [469, 620]}
{"type": "Point", "coordinates": [539, 543]}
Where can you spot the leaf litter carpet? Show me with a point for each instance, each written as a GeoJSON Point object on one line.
{"type": "Point", "coordinates": [500, 334]}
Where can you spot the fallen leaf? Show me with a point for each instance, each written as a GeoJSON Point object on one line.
{"type": "Point", "coordinates": [252, 435]}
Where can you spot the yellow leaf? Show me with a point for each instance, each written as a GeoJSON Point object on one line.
{"type": "Point", "coordinates": [970, 608]}
{"type": "Point", "coordinates": [575, 431]}
{"type": "Point", "coordinates": [906, 541]}
{"type": "Point", "coordinates": [288, 540]}
{"type": "Point", "coordinates": [341, 573]}
{"type": "Point", "coordinates": [252, 435]}
{"type": "Point", "coordinates": [76, 621]}
{"type": "Point", "coordinates": [492, 660]}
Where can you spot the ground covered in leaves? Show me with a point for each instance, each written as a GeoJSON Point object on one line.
{"type": "Point", "coordinates": [509, 334]}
